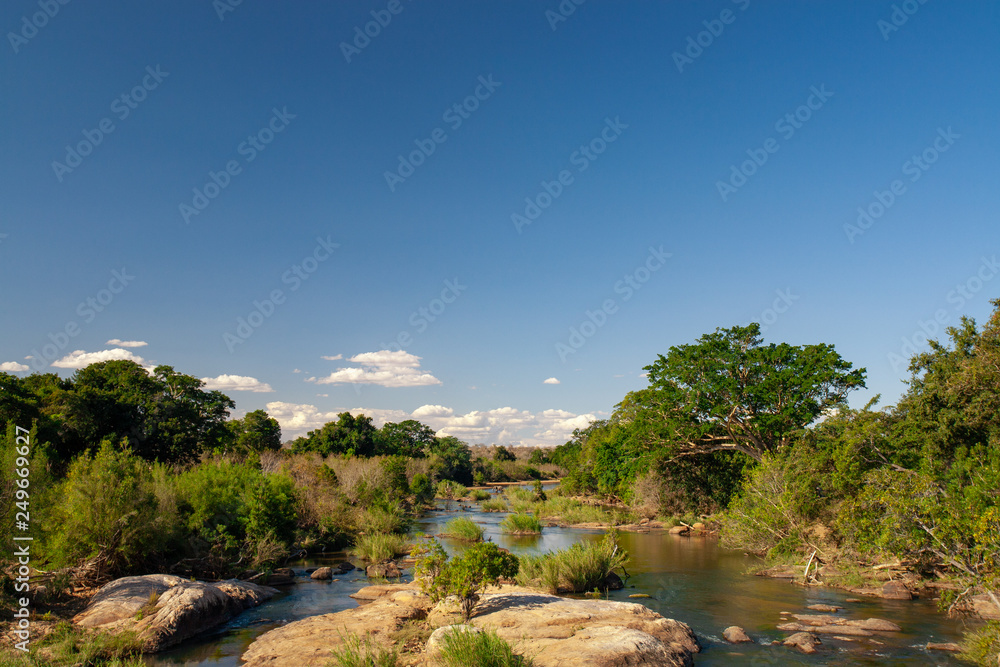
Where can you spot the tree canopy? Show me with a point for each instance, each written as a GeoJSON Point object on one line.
{"type": "Point", "coordinates": [729, 391]}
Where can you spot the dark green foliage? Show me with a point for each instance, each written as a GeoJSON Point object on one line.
{"type": "Point", "coordinates": [256, 432]}
{"type": "Point", "coordinates": [503, 454]}
{"type": "Point", "coordinates": [408, 438]}
{"type": "Point", "coordinates": [422, 488]}
{"type": "Point", "coordinates": [539, 457]}
{"type": "Point", "coordinates": [349, 435]}
{"type": "Point", "coordinates": [451, 459]}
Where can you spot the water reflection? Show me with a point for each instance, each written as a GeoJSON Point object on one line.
{"type": "Point", "coordinates": [689, 579]}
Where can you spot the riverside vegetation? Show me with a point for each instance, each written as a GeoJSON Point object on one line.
{"type": "Point", "coordinates": [146, 474]}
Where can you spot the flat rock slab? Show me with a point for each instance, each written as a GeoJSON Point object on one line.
{"type": "Point", "coordinates": [829, 608]}
{"type": "Point", "coordinates": [554, 631]}
{"type": "Point", "coordinates": [182, 608]}
{"type": "Point", "coordinates": [877, 624]}
{"type": "Point", "coordinates": [824, 629]}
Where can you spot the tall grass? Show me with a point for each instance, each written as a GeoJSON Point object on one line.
{"type": "Point", "coordinates": [451, 490]}
{"type": "Point", "coordinates": [481, 649]}
{"type": "Point", "coordinates": [479, 494]}
{"type": "Point", "coordinates": [378, 547]}
{"type": "Point", "coordinates": [358, 652]}
{"type": "Point", "coordinates": [66, 646]}
{"type": "Point", "coordinates": [521, 524]}
{"type": "Point", "coordinates": [582, 567]}
{"type": "Point", "coordinates": [463, 528]}
{"type": "Point", "coordinates": [521, 493]}
{"type": "Point", "coordinates": [494, 505]}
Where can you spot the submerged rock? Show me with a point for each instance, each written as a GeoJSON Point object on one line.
{"type": "Point", "coordinates": [803, 641]}
{"type": "Point", "coordinates": [165, 610]}
{"type": "Point", "coordinates": [734, 634]}
{"type": "Point", "coordinates": [949, 646]}
{"type": "Point", "coordinates": [554, 631]}
{"type": "Point", "coordinates": [829, 608]}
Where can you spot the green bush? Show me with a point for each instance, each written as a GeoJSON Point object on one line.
{"type": "Point", "coordinates": [582, 567]}
{"type": "Point", "coordinates": [105, 508]}
{"type": "Point", "coordinates": [422, 488]}
{"type": "Point", "coordinates": [482, 649]}
{"type": "Point", "coordinates": [982, 646]}
{"type": "Point", "coordinates": [516, 493]}
{"type": "Point", "coordinates": [450, 490]}
{"type": "Point", "coordinates": [463, 528]}
{"type": "Point", "coordinates": [521, 524]}
{"type": "Point", "coordinates": [465, 575]}
{"type": "Point", "coordinates": [270, 509]}
{"type": "Point", "coordinates": [763, 518]}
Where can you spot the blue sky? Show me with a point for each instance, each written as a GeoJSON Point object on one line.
{"type": "Point", "coordinates": [693, 165]}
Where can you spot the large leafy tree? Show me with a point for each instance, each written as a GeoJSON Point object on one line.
{"type": "Point", "coordinates": [730, 392]}
{"type": "Point", "coordinates": [354, 436]}
{"type": "Point", "coordinates": [256, 432]}
{"type": "Point", "coordinates": [406, 438]}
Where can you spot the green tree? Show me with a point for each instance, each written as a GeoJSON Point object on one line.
{"type": "Point", "coordinates": [729, 391]}
{"type": "Point", "coordinates": [407, 438]}
{"type": "Point", "coordinates": [465, 575]}
{"type": "Point", "coordinates": [256, 432]}
{"type": "Point", "coordinates": [350, 435]}
{"type": "Point", "coordinates": [502, 454]}
{"type": "Point", "coordinates": [451, 459]}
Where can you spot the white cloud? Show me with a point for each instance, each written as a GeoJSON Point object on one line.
{"type": "Point", "coordinates": [12, 367]}
{"type": "Point", "coordinates": [127, 343]}
{"type": "Point", "coordinates": [551, 381]}
{"type": "Point", "coordinates": [296, 371]}
{"type": "Point", "coordinates": [81, 359]}
{"type": "Point", "coordinates": [505, 426]}
{"type": "Point", "coordinates": [237, 383]}
{"type": "Point", "coordinates": [335, 357]}
{"type": "Point", "coordinates": [384, 368]}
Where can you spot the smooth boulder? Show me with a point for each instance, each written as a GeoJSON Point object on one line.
{"type": "Point", "coordinates": [803, 641]}
{"type": "Point", "coordinates": [734, 634]}
{"type": "Point", "coordinates": [322, 574]}
{"type": "Point", "coordinates": [165, 610]}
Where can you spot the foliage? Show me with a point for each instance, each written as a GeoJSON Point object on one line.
{"type": "Point", "coordinates": [256, 432]}
{"type": "Point", "coordinates": [68, 646]}
{"type": "Point", "coordinates": [349, 435]}
{"type": "Point", "coordinates": [463, 528]}
{"type": "Point", "coordinates": [482, 649]}
{"type": "Point", "coordinates": [422, 488]}
{"type": "Point", "coordinates": [494, 505]}
{"type": "Point", "coordinates": [465, 575]}
{"type": "Point", "coordinates": [355, 651]}
{"type": "Point", "coordinates": [408, 438]}
{"type": "Point", "coordinates": [379, 547]}
{"type": "Point", "coordinates": [539, 457]}
{"type": "Point", "coordinates": [451, 459]}
{"type": "Point", "coordinates": [728, 391]}
{"type": "Point", "coordinates": [479, 495]}
{"type": "Point", "coordinates": [982, 646]}
{"type": "Point", "coordinates": [521, 524]}
{"type": "Point", "coordinates": [582, 567]}
{"type": "Point", "coordinates": [503, 454]}
{"type": "Point", "coordinates": [450, 490]}
{"type": "Point", "coordinates": [107, 510]}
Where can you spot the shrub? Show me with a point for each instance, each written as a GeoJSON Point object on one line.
{"type": "Point", "coordinates": [465, 575]}
{"type": "Point", "coordinates": [422, 488]}
{"type": "Point", "coordinates": [482, 649]}
{"type": "Point", "coordinates": [106, 509]}
{"type": "Point", "coordinates": [494, 505]}
{"type": "Point", "coordinates": [270, 509]}
{"type": "Point", "coordinates": [762, 518]}
{"type": "Point", "coordinates": [580, 568]}
{"type": "Point", "coordinates": [451, 490]}
{"type": "Point", "coordinates": [463, 528]}
{"type": "Point", "coordinates": [521, 524]}
{"type": "Point", "coordinates": [357, 652]}
{"type": "Point", "coordinates": [378, 547]}
{"type": "Point", "coordinates": [382, 518]}
{"type": "Point", "coordinates": [518, 493]}
{"type": "Point", "coordinates": [479, 494]}
{"type": "Point", "coordinates": [66, 646]}
{"type": "Point", "coordinates": [982, 646]}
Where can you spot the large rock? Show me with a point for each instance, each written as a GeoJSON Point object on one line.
{"type": "Point", "coordinates": [388, 570]}
{"type": "Point", "coordinates": [322, 574]}
{"type": "Point", "coordinates": [895, 590]}
{"type": "Point", "coordinates": [165, 610]}
{"type": "Point", "coordinates": [803, 641]}
{"type": "Point", "coordinates": [734, 634]}
{"type": "Point", "coordinates": [877, 624]}
{"type": "Point", "coordinates": [554, 631]}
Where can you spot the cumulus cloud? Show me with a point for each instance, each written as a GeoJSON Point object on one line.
{"type": "Point", "coordinates": [237, 383]}
{"type": "Point", "coordinates": [81, 359]}
{"type": "Point", "coordinates": [336, 357]}
{"type": "Point", "coordinates": [12, 367]}
{"type": "Point", "coordinates": [551, 381]}
{"type": "Point", "coordinates": [505, 426]}
{"type": "Point", "coordinates": [127, 343]}
{"type": "Point", "coordinates": [384, 368]}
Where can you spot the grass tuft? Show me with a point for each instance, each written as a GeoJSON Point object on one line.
{"type": "Point", "coordinates": [378, 547]}
{"type": "Point", "coordinates": [521, 524]}
{"type": "Point", "coordinates": [578, 569]}
{"type": "Point", "coordinates": [463, 528]}
{"type": "Point", "coordinates": [482, 649]}
{"type": "Point", "coordinates": [494, 505]}
{"type": "Point", "coordinates": [358, 652]}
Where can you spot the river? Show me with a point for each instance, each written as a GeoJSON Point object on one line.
{"type": "Point", "coordinates": [689, 579]}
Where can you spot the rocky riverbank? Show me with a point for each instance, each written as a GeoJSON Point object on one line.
{"type": "Point", "coordinates": [554, 631]}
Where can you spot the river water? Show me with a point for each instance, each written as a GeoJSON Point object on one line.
{"type": "Point", "coordinates": [689, 579]}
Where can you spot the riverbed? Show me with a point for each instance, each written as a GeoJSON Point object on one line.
{"type": "Point", "coordinates": [690, 579]}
